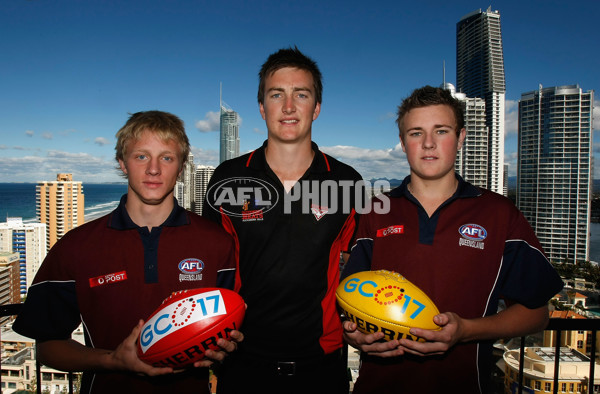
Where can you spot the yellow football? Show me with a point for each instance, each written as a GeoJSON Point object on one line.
{"type": "Point", "coordinates": [385, 301]}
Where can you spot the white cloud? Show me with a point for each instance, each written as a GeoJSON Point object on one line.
{"type": "Point", "coordinates": [511, 117]}
{"type": "Point", "coordinates": [206, 157]}
{"type": "Point", "coordinates": [34, 168]}
{"type": "Point", "coordinates": [596, 115]}
{"type": "Point", "coordinates": [372, 163]}
{"type": "Point", "coordinates": [29, 133]}
{"type": "Point", "coordinates": [47, 135]}
{"type": "Point", "coordinates": [101, 141]}
{"type": "Point", "coordinates": [210, 123]}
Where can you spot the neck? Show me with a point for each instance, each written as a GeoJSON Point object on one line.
{"type": "Point", "coordinates": [148, 215]}
{"type": "Point", "coordinates": [432, 193]}
{"type": "Point", "coordinates": [289, 161]}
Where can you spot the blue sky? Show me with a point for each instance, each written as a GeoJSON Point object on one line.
{"type": "Point", "coordinates": [72, 71]}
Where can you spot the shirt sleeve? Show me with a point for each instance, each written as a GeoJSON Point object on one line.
{"type": "Point", "coordinates": [50, 310]}
{"type": "Point", "coordinates": [526, 277]}
{"type": "Point", "coordinates": [362, 250]}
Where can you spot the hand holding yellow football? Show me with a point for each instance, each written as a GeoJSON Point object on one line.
{"type": "Point", "coordinates": [385, 301]}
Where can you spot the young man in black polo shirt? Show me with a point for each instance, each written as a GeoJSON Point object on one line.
{"type": "Point", "coordinates": [291, 209]}
{"type": "Point", "coordinates": [111, 272]}
{"type": "Point", "coordinates": [464, 246]}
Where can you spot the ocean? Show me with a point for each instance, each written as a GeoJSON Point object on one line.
{"type": "Point", "coordinates": [18, 200]}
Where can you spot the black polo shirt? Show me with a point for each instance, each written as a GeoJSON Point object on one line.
{"type": "Point", "coordinates": [110, 273]}
{"type": "Point", "coordinates": [289, 250]}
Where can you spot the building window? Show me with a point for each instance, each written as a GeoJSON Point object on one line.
{"type": "Point", "coordinates": [548, 386]}
{"type": "Point", "coordinates": [537, 384]}
{"type": "Point", "coordinates": [563, 387]}
{"type": "Point", "coordinates": [527, 382]}
{"type": "Point", "coordinates": [571, 387]}
{"type": "Point", "coordinates": [579, 344]}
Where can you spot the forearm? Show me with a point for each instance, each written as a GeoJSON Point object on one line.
{"type": "Point", "coordinates": [515, 321]}
{"type": "Point", "coordinates": [70, 355]}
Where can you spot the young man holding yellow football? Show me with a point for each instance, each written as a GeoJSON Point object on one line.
{"type": "Point", "coordinates": [466, 247]}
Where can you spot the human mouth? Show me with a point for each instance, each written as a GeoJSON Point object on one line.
{"type": "Point", "coordinates": [289, 121]}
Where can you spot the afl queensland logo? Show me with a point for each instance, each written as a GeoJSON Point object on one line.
{"type": "Point", "coordinates": [190, 270]}
{"type": "Point", "coordinates": [237, 197]}
{"type": "Point", "coordinates": [472, 235]}
{"type": "Point", "coordinates": [473, 231]}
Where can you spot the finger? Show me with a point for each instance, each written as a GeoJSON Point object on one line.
{"type": "Point", "coordinates": [349, 326]}
{"type": "Point", "coordinates": [236, 335]}
{"type": "Point", "coordinates": [228, 346]}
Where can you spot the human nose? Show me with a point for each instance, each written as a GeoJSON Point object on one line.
{"type": "Point", "coordinates": [288, 105]}
{"type": "Point", "coordinates": [428, 141]}
{"type": "Point", "coordinates": [153, 167]}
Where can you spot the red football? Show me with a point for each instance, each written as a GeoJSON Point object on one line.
{"type": "Point", "coordinates": [188, 323]}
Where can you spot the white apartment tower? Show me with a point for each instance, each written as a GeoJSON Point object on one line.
{"type": "Point", "coordinates": [203, 174]}
{"type": "Point", "coordinates": [472, 159]}
{"type": "Point", "coordinates": [554, 183]}
{"type": "Point", "coordinates": [184, 189]}
{"type": "Point", "coordinates": [60, 206]}
{"type": "Point", "coordinates": [29, 241]}
{"type": "Point", "coordinates": [480, 74]}
{"type": "Point", "coordinates": [229, 130]}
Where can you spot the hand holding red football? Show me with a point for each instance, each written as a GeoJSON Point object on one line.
{"type": "Point", "coordinates": [189, 324]}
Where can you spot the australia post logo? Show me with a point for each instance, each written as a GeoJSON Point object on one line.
{"type": "Point", "coordinates": [242, 196]}
{"type": "Point", "coordinates": [472, 235]}
{"type": "Point", "coordinates": [391, 230]}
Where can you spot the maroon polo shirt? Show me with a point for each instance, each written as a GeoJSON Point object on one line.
{"type": "Point", "coordinates": [476, 249]}
{"type": "Point", "coordinates": [110, 273]}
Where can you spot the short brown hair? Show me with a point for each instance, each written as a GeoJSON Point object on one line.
{"type": "Point", "coordinates": [167, 126]}
{"type": "Point", "coordinates": [427, 96]}
{"type": "Point", "coordinates": [290, 57]}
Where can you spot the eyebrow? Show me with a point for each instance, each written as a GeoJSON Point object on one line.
{"type": "Point", "coordinates": [437, 126]}
{"type": "Point", "coordinates": [296, 89]}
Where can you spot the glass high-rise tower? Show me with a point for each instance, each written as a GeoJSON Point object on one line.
{"type": "Point", "coordinates": [480, 74]}
{"type": "Point", "coordinates": [230, 138]}
{"type": "Point", "coordinates": [554, 182]}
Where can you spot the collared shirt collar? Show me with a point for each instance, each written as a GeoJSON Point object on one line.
{"type": "Point", "coordinates": [464, 189]}
{"type": "Point", "coordinates": [258, 161]}
{"type": "Point", "coordinates": [120, 220]}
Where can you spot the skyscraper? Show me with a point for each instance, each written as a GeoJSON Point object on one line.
{"type": "Point", "coordinates": [554, 181]}
{"type": "Point", "coordinates": [230, 127]}
{"type": "Point", "coordinates": [203, 174]}
{"type": "Point", "coordinates": [184, 189]}
{"type": "Point", "coordinates": [480, 73]}
{"type": "Point", "coordinates": [472, 159]}
{"type": "Point", "coordinates": [28, 240]}
{"type": "Point", "coordinates": [60, 206]}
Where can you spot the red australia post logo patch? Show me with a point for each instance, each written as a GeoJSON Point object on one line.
{"type": "Point", "coordinates": [391, 230]}
{"type": "Point", "coordinates": [115, 277]}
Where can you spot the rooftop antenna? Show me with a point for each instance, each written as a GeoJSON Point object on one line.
{"type": "Point", "coordinates": [444, 76]}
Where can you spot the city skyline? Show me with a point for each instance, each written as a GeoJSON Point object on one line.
{"type": "Point", "coordinates": [73, 71]}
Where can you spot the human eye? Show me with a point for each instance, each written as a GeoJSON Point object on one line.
{"type": "Point", "coordinates": [168, 158]}
{"type": "Point", "coordinates": [141, 156]}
